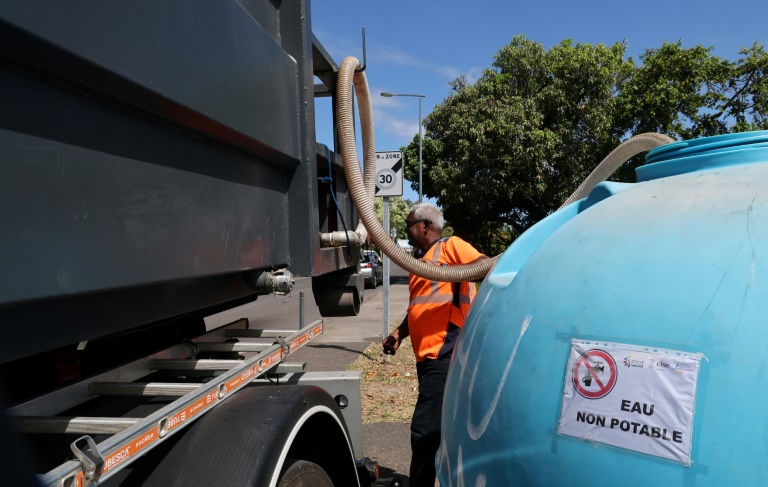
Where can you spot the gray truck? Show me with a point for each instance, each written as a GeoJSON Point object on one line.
{"type": "Point", "coordinates": [158, 165]}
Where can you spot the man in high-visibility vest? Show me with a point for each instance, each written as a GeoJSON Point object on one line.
{"type": "Point", "coordinates": [436, 313]}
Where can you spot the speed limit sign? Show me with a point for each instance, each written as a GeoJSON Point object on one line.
{"type": "Point", "coordinates": [389, 173]}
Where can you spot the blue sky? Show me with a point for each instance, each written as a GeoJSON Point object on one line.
{"type": "Point", "coordinates": [420, 46]}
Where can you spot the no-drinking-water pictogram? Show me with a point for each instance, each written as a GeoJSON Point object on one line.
{"type": "Point", "coordinates": [594, 374]}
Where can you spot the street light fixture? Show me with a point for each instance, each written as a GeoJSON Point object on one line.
{"type": "Point", "coordinates": [389, 95]}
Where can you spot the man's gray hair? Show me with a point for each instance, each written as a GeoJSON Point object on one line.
{"type": "Point", "coordinates": [428, 211]}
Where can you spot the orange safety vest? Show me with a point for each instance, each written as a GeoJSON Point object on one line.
{"type": "Point", "coordinates": [434, 305]}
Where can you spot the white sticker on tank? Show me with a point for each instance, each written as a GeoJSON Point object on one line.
{"type": "Point", "coordinates": [632, 397]}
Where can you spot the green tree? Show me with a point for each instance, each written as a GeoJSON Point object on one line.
{"type": "Point", "coordinates": [668, 92]}
{"type": "Point", "coordinates": [502, 153]}
{"type": "Point", "coordinates": [398, 212]}
{"type": "Point", "coordinates": [747, 90]}
{"type": "Point", "coordinates": [689, 93]}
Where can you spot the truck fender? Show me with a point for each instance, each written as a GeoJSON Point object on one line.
{"type": "Point", "coordinates": [250, 438]}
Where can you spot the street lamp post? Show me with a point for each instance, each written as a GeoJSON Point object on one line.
{"type": "Point", "coordinates": [388, 95]}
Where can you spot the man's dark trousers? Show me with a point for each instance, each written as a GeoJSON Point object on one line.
{"type": "Point", "coordinates": [425, 426]}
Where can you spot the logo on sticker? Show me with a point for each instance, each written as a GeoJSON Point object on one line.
{"type": "Point", "coordinates": [664, 364]}
{"type": "Point", "coordinates": [630, 362]}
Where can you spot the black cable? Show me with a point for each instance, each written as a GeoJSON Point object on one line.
{"type": "Point", "coordinates": [329, 179]}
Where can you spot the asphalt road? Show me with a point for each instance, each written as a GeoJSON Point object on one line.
{"type": "Point", "coordinates": [343, 340]}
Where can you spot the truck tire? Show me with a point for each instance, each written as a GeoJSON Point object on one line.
{"type": "Point", "coordinates": [339, 293]}
{"type": "Point", "coordinates": [251, 439]}
{"type": "Point", "coordinates": [339, 302]}
{"type": "Point", "coordinates": [300, 473]}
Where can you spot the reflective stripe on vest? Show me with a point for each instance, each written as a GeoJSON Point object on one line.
{"type": "Point", "coordinates": [440, 298]}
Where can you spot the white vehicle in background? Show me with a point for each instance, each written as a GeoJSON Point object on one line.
{"type": "Point", "coordinates": [371, 267]}
{"type": "Point", "coordinates": [403, 244]}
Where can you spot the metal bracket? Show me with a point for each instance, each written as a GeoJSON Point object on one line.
{"type": "Point", "coordinates": [92, 461]}
{"type": "Point", "coordinates": [284, 344]}
{"type": "Point", "coordinates": [364, 56]}
{"type": "Point", "coordinates": [193, 348]}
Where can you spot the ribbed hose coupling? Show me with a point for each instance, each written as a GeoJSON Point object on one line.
{"type": "Point", "coordinates": [271, 282]}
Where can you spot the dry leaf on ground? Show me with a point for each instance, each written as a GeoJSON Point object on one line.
{"type": "Point", "coordinates": [388, 386]}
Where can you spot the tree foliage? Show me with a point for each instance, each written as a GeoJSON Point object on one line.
{"type": "Point", "coordinates": [502, 153]}
{"type": "Point", "coordinates": [398, 212]}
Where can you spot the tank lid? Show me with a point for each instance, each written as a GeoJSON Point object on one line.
{"type": "Point", "coordinates": [704, 153]}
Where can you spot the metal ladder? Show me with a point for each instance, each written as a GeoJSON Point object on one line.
{"type": "Point", "coordinates": [133, 437]}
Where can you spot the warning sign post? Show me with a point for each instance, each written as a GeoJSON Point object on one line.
{"type": "Point", "coordinates": [633, 397]}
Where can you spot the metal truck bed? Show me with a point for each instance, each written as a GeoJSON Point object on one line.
{"type": "Point", "coordinates": [156, 159]}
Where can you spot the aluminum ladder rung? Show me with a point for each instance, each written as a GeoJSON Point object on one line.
{"type": "Point", "coordinates": [141, 388]}
{"type": "Point", "coordinates": [74, 425]}
{"type": "Point", "coordinates": [256, 333]}
{"type": "Point", "coordinates": [232, 347]}
{"type": "Point", "coordinates": [193, 364]}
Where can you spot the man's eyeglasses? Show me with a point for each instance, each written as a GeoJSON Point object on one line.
{"type": "Point", "coordinates": [410, 223]}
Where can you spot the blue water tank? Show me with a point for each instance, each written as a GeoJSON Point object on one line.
{"type": "Point", "coordinates": [623, 340]}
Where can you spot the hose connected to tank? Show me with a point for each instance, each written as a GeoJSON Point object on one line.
{"type": "Point", "coordinates": [363, 191]}
{"type": "Point", "coordinates": [618, 156]}
{"type": "Point", "coordinates": [364, 199]}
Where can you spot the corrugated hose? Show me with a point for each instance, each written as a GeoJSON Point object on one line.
{"type": "Point", "coordinates": [363, 190]}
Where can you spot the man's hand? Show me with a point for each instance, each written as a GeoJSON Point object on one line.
{"type": "Point", "coordinates": [391, 343]}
